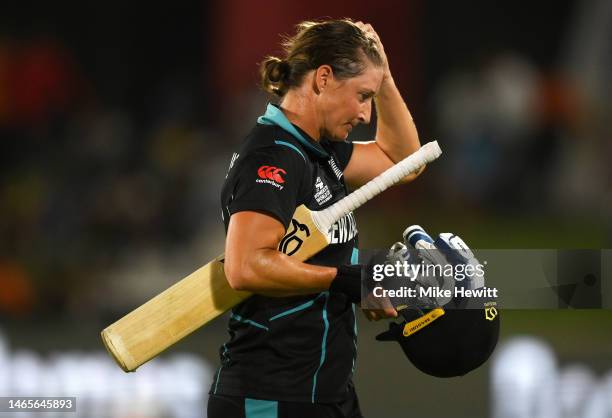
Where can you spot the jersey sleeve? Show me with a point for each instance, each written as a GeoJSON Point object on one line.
{"type": "Point", "coordinates": [269, 180]}
{"type": "Point", "coordinates": [343, 151]}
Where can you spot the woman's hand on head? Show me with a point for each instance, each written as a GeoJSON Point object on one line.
{"type": "Point", "coordinates": [369, 31]}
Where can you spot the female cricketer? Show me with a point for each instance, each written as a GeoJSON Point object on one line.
{"type": "Point", "coordinates": [292, 346]}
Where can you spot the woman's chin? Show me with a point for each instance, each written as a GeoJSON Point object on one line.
{"type": "Point", "coordinates": [343, 134]}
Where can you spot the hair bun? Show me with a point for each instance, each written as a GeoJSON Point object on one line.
{"type": "Point", "coordinates": [278, 70]}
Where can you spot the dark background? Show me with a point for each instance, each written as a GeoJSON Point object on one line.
{"type": "Point", "coordinates": [118, 121]}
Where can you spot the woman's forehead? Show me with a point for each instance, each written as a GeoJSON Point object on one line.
{"type": "Point", "coordinates": [369, 79]}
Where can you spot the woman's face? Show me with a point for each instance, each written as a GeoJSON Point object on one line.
{"type": "Point", "coordinates": [344, 104]}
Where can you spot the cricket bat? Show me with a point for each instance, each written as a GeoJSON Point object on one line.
{"type": "Point", "coordinates": [205, 294]}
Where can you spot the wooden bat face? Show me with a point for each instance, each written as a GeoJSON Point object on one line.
{"type": "Point", "coordinates": [170, 316]}
{"type": "Point", "coordinates": [196, 300]}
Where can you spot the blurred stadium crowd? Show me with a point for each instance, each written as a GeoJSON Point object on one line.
{"type": "Point", "coordinates": [115, 144]}
{"type": "Point", "coordinates": [90, 174]}
{"type": "Point", "coordinates": [117, 123]}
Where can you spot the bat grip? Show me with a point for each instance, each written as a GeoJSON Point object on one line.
{"type": "Point", "coordinates": [427, 153]}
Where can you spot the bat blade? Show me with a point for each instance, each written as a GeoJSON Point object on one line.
{"type": "Point", "coordinates": [170, 316]}
{"type": "Point", "coordinates": [205, 294]}
{"type": "Point", "coordinates": [196, 300]}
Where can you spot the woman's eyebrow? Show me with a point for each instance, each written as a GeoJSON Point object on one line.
{"type": "Point", "coordinates": [368, 93]}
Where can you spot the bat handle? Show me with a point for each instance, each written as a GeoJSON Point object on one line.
{"type": "Point", "coordinates": [427, 153]}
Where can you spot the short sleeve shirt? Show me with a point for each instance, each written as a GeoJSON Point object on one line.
{"type": "Point", "coordinates": [299, 348]}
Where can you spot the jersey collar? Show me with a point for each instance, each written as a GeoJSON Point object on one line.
{"type": "Point", "coordinates": [274, 116]}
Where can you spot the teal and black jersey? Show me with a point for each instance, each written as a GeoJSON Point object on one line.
{"type": "Point", "coordinates": [299, 348]}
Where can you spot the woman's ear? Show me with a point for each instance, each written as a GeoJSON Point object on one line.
{"type": "Point", "coordinates": [323, 76]}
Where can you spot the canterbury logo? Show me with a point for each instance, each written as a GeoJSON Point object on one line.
{"type": "Point", "coordinates": [271, 173]}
